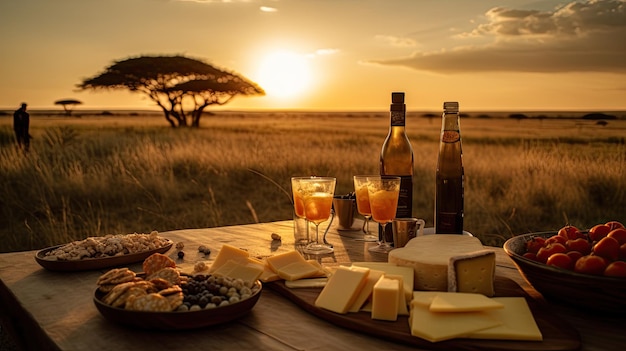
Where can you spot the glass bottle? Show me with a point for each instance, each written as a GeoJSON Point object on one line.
{"type": "Point", "coordinates": [396, 158]}
{"type": "Point", "coordinates": [450, 175]}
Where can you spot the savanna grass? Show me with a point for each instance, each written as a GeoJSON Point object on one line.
{"type": "Point", "coordinates": [97, 176]}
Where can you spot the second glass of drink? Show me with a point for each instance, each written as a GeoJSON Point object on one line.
{"type": "Point", "coordinates": [383, 192]}
{"type": "Point", "coordinates": [317, 194]}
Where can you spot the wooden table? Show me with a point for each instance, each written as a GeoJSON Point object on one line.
{"type": "Point", "coordinates": [46, 310]}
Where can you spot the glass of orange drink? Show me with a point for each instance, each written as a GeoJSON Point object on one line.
{"type": "Point", "coordinates": [363, 205]}
{"type": "Point", "coordinates": [383, 192]}
{"type": "Point", "coordinates": [317, 195]}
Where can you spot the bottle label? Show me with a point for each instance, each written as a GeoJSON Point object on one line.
{"type": "Point", "coordinates": [397, 119]}
{"type": "Point", "coordinates": [450, 136]}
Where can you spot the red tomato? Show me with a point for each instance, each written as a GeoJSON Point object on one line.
{"type": "Point", "coordinates": [535, 244]}
{"type": "Point", "coordinates": [570, 232]}
{"type": "Point", "coordinates": [590, 264]}
{"type": "Point", "coordinates": [556, 239]}
{"type": "Point", "coordinates": [619, 234]}
{"type": "Point", "coordinates": [616, 269]}
{"type": "Point", "coordinates": [614, 225]}
{"type": "Point", "coordinates": [549, 250]}
{"type": "Point", "coordinates": [530, 256]}
{"type": "Point", "coordinates": [560, 260]}
{"type": "Point", "coordinates": [574, 255]}
{"type": "Point", "coordinates": [622, 252]}
{"type": "Point", "coordinates": [598, 232]}
{"type": "Point", "coordinates": [581, 245]}
{"type": "Point", "coordinates": [607, 248]}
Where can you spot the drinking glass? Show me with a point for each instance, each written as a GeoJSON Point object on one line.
{"type": "Point", "coordinates": [317, 194]}
{"type": "Point", "coordinates": [383, 192]}
{"type": "Point", "coordinates": [298, 207]}
{"type": "Point", "coordinates": [363, 205]}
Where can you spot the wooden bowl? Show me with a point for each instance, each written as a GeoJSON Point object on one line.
{"type": "Point", "coordinates": [590, 292]}
{"type": "Point", "coordinates": [177, 320]}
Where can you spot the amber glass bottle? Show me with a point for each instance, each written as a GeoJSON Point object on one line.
{"type": "Point", "coordinates": [396, 157]}
{"type": "Point", "coordinates": [450, 174]}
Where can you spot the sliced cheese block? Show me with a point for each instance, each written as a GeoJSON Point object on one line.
{"type": "Point", "coordinates": [342, 289]}
{"type": "Point", "coordinates": [226, 268]}
{"type": "Point", "coordinates": [366, 291]}
{"type": "Point", "coordinates": [462, 302]}
{"type": "Point", "coordinates": [473, 272]}
{"type": "Point", "coordinates": [298, 270]}
{"type": "Point", "coordinates": [424, 298]}
{"type": "Point", "coordinates": [402, 303]}
{"type": "Point", "coordinates": [283, 259]}
{"type": "Point", "coordinates": [429, 255]}
{"type": "Point", "coordinates": [307, 283]}
{"type": "Point", "coordinates": [435, 326]}
{"type": "Point", "coordinates": [268, 275]}
{"type": "Point", "coordinates": [385, 299]}
{"type": "Point", "coordinates": [322, 271]}
{"type": "Point", "coordinates": [248, 272]}
{"type": "Point", "coordinates": [517, 320]}
{"type": "Point", "coordinates": [227, 253]}
{"type": "Point", "coordinates": [389, 268]}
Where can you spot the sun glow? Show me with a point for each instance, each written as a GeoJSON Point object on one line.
{"type": "Point", "coordinates": [284, 74]}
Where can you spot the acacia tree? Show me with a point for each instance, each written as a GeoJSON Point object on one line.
{"type": "Point", "coordinates": [182, 87]}
{"type": "Point", "coordinates": [68, 105]}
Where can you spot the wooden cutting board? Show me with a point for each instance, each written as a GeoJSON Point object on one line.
{"type": "Point", "coordinates": [557, 333]}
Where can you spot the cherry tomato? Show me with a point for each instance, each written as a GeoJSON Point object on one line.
{"type": "Point", "coordinates": [530, 256]}
{"type": "Point", "coordinates": [581, 245]}
{"type": "Point", "coordinates": [535, 244]}
{"type": "Point", "coordinates": [570, 232]}
{"type": "Point", "coordinates": [574, 255]}
{"type": "Point", "coordinates": [549, 250]}
{"type": "Point", "coordinates": [616, 269]}
{"type": "Point", "coordinates": [598, 232]}
{"type": "Point", "coordinates": [556, 239]}
{"type": "Point", "coordinates": [590, 264]}
{"type": "Point", "coordinates": [560, 260]}
{"type": "Point", "coordinates": [619, 234]}
{"type": "Point", "coordinates": [607, 248]}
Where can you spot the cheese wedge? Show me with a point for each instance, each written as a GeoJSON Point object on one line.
{"type": "Point", "coordinates": [342, 289]}
{"type": "Point", "coordinates": [517, 320]}
{"type": "Point", "coordinates": [435, 326]}
{"type": "Point", "coordinates": [227, 253]}
{"type": "Point", "coordinates": [429, 255]}
{"type": "Point", "coordinates": [386, 298]}
{"type": "Point", "coordinates": [462, 302]}
{"type": "Point", "coordinates": [389, 268]}
{"type": "Point", "coordinates": [473, 272]}
{"type": "Point", "coordinates": [366, 291]}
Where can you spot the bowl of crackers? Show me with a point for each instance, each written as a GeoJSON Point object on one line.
{"type": "Point", "coordinates": [161, 298]}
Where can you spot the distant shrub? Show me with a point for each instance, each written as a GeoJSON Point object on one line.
{"type": "Point", "coordinates": [596, 116]}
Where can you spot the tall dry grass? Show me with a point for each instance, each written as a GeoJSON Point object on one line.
{"type": "Point", "coordinates": [96, 176]}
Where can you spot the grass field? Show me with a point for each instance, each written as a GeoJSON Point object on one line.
{"type": "Point", "coordinates": [98, 175]}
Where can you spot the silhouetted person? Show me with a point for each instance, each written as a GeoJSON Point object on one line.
{"type": "Point", "coordinates": [21, 121]}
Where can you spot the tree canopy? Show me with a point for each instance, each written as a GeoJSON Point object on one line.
{"type": "Point", "coordinates": [181, 86]}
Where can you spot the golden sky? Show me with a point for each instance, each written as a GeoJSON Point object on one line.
{"type": "Point", "coordinates": [329, 54]}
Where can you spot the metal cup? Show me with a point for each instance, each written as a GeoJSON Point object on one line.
{"type": "Point", "coordinates": [344, 210]}
{"type": "Point", "coordinates": [405, 229]}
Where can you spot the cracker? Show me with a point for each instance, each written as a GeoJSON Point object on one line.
{"type": "Point", "coordinates": [168, 274]}
{"type": "Point", "coordinates": [151, 302]}
{"type": "Point", "coordinates": [156, 262]}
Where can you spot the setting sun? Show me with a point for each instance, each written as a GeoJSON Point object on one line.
{"type": "Point", "coordinates": [284, 74]}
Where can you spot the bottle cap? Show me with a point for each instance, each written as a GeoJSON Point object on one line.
{"type": "Point", "coordinates": [397, 102]}
{"type": "Point", "coordinates": [451, 106]}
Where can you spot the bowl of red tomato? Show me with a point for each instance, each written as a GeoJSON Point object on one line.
{"type": "Point", "coordinates": [585, 268]}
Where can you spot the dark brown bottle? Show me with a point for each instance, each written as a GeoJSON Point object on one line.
{"type": "Point", "coordinates": [450, 175]}
{"type": "Point", "coordinates": [396, 157]}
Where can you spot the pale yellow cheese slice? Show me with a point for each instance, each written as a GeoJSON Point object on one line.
{"type": "Point", "coordinates": [297, 270]}
{"type": "Point", "coordinates": [429, 255]}
{"type": "Point", "coordinates": [517, 320]}
{"type": "Point", "coordinates": [462, 302]}
{"type": "Point", "coordinates": [389, 268]}
{"type": "Point", "coordinates": [322, 271]}
{"type": "Point", "coordinates": [473, 272]}
{"type": "Point", "coordinates": [307, 283]}
{"type": "Point", "coordinates": [226, 268]}
{"type": "Point", "coordinates": [437, 326]}
{"type": "Point", "coordinates": [402, 303]}
{"type": "Point", "coordinates": [342, 289]}
{"type": "Point", "coordinates": [386, 298]}
{"type": "Point", "coordinates": [283, 259]}
{"type": "Point", "coordinates": [424, 298]}
{"type": "Point", "coordinates": [248, 272]}
{"type": "Point", "coordinates": [268, 275]}
{"type": "Point", "coordinates": [366, 291]}
{"type": "Point", "coordinates": [227, 253]}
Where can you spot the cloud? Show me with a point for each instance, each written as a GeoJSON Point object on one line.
{"type": "Point", "coordinates": [324, 52]}
{"type": "Point", "coordinates": [268, 9]}
{"type": "Point", "coordinates": [577, 37]}
{"type": "Point", "coordinates": [397, 41]}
